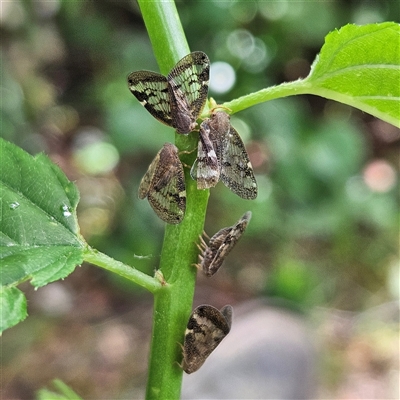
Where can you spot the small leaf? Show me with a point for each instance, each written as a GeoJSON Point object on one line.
{"type": "Point", "coordinates": [360, 66]}
{"type": "Point", "coordinates": [65, 392]}
{"type": "Point", "coordinates": [39, 233]}
{"type": "Point", "coordinates": [12, 307]}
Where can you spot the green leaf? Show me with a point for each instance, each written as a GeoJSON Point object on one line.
{"type": "Point", "coordinates": [39, 233]}
{"type": "Point", "coordinates": [66, 393]}
{"type": "Point", "coordinates": [45, 394]}
{"type": "Point", "coordinates": [12, 307]}
{"type": "Point", "coordinates": [360, 66]}
{"type": "Point", "coordinates": [43, 264]}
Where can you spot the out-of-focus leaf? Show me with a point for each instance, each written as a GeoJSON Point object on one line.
{"type": "Point", "coordinates": [66, 393]}
{"type": "Point", "coordinates": [12, 307]}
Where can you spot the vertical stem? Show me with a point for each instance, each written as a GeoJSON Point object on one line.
{"type": "Point", "coordinates": [173, 304]}
{"type": "Point", "coordinates": [165, 31]}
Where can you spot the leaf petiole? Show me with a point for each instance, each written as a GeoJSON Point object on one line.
{"type": "Point", "coordinates": [95, 257]}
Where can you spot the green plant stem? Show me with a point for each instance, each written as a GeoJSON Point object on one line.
{"type": "Point", "coordinates": [270, 93]}
{"type": "Point", "coordinates": [173, 303]}
{"type": "Point", "coordinates": [304, 86]}
{"type": "Point", "coordinates": [165, 31]}
{"type": "Point", "coordinates": [95, 257]}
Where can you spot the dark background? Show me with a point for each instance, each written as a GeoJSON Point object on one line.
{"type": "Point", "coordinates": [323, 241]}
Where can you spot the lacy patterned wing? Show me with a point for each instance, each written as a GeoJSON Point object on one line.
{"type": "Point", "coordinates": [219, 125]}
{"type": "Point", "coordinates": [221, 244]}
{"type": "Point", "coordinates": [188, 89]}
{"type": "Point", "coordinates": [145, 183]}
{"type": "Point", "coordinates": [210, 259]}
{"type": "Point", "coordinates": [206, 328]}
{"type": "Point", "coordinates": [164, 185]}
{"type": "Point", "coordinates": [206, 168]}
{"type": "Point", "coordinates": [236, 169]}
{"type": "Point", "coordinates": [151, 89]}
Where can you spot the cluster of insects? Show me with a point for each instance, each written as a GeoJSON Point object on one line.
{"type": "Point", "coordinates": [207, 326]}
{"type": "Point", "coordinates": [177, 100]}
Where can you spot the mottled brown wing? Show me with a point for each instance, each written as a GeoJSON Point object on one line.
{"type": "Point", "coordinates": [145, 183]}
{"type": "Point", "coordinates": [221, 244]}
{"type": "Point", "coordinates": [164, 185]}
{"type": "Point", "coordinates": [236, 169]}
{"type": "Point", "coordinates": [205, 170]}
{"type": "Point", "coordinates": [206, 328]}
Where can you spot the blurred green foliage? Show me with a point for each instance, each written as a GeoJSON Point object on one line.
{"type": "Point", "coordinates": [64, 91]}
{"type": "Point", "coordinates": [325, 224]}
